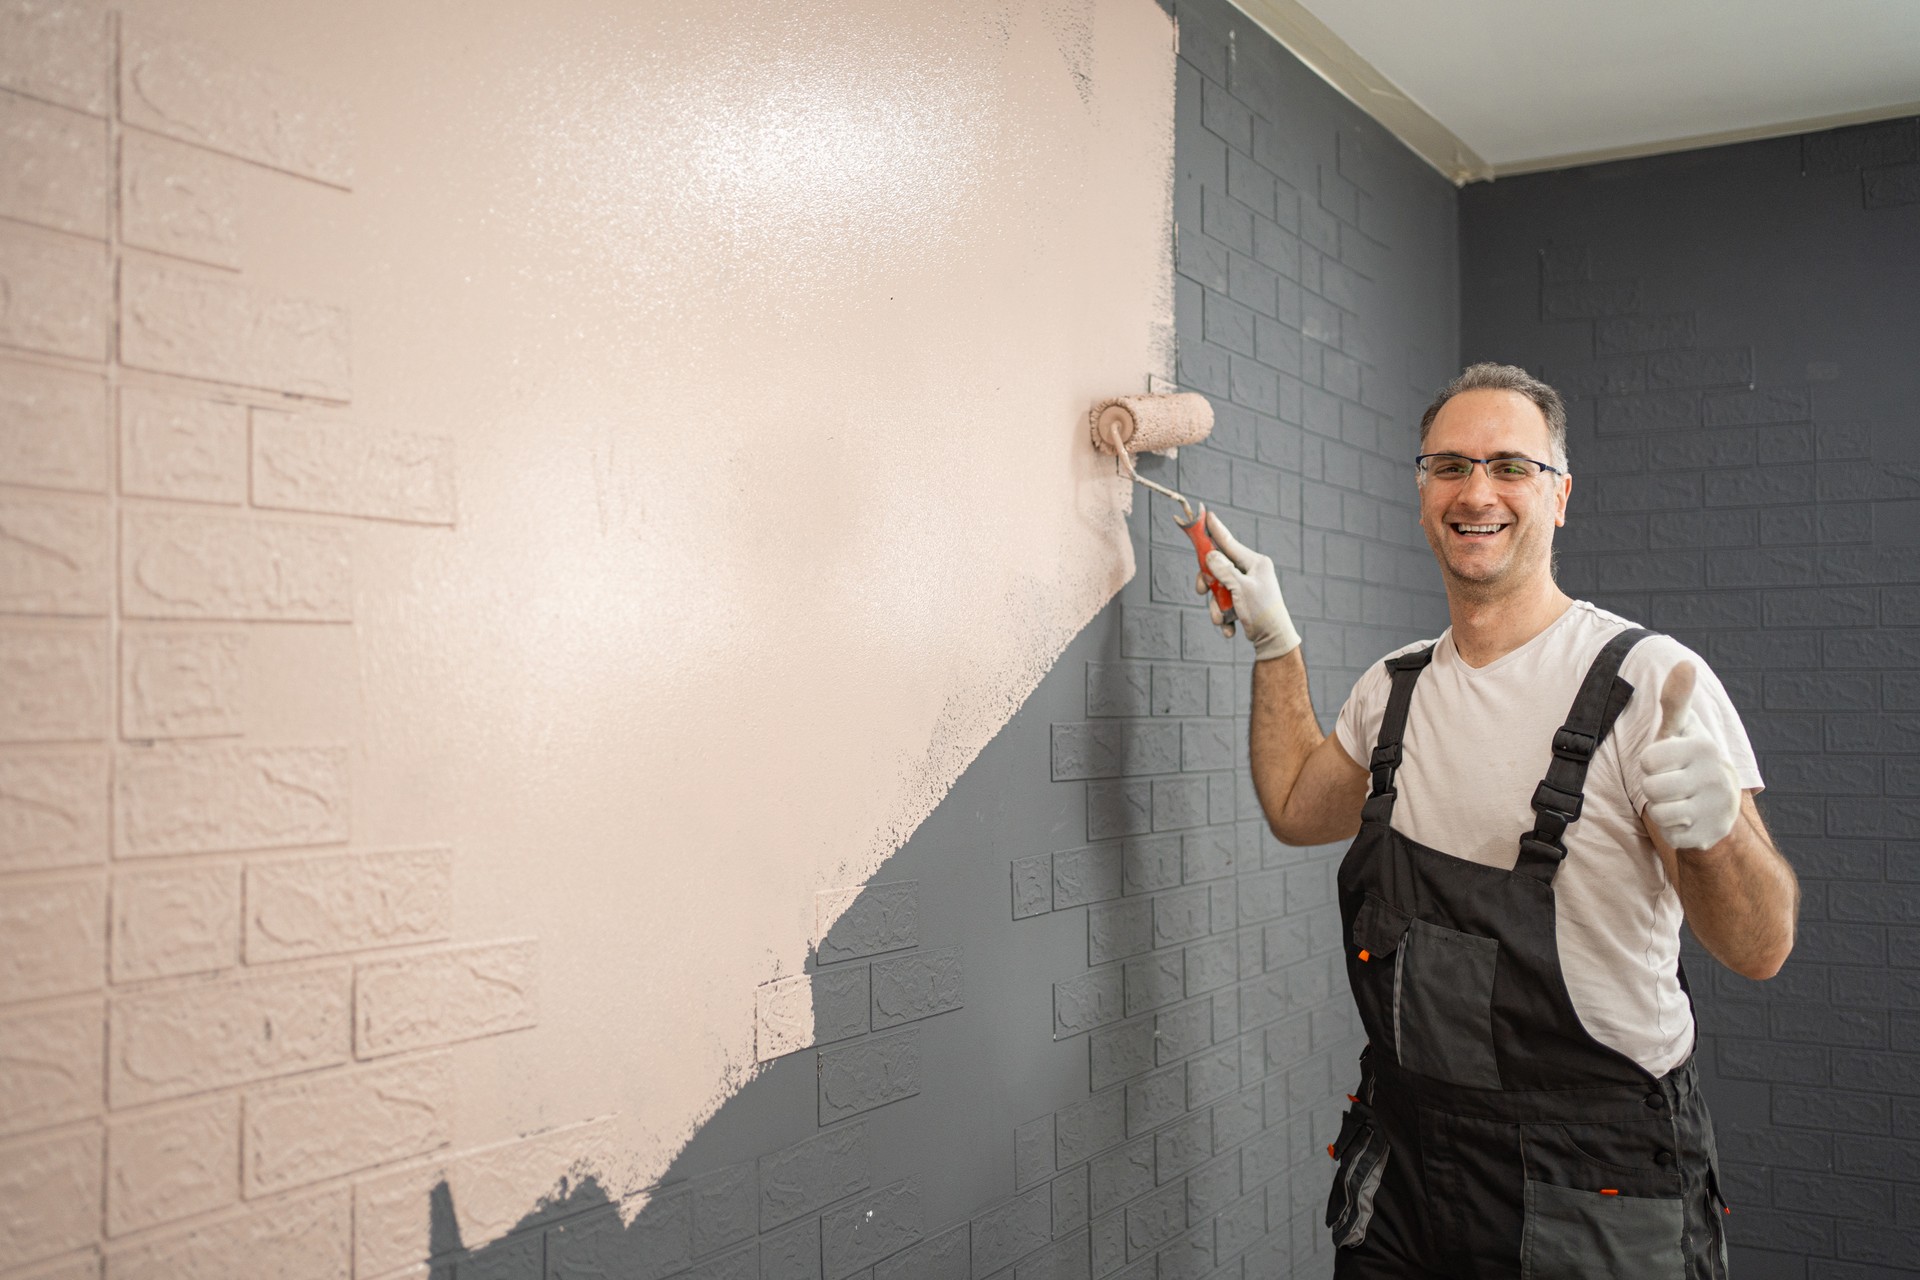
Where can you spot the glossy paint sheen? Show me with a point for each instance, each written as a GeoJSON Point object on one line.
{"type": "Point", "coordinates": [764, 336]}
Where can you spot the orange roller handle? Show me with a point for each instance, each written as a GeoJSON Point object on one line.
{"type": "Point", "coordinates": [1203, 547]}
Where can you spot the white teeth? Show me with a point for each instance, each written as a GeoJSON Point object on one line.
{"type": "Point", "coordinates": [1478, 528]}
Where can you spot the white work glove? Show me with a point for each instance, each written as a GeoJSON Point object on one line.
{"type": "Point", "coordinates": [1257, 605]}
{"type": "Point", "coordinates": [1693, 796]}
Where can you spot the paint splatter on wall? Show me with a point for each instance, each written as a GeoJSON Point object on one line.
{"type": "Point", "coordinates": [501, 508]}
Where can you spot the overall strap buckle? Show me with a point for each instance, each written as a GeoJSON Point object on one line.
{"type": "Point", "coordinates": [1561, 795]}
{"type": "Point", "coordinates": [1387, 755]}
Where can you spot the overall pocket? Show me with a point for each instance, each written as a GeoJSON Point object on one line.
{"type": "Point", "coordinates": [1443, 1005]}
{"type": "Point", "coordinates": [1600, 1204]}
{"type": "Point", "coordinates": [1362, 1152]}
{"type": "Point", "coordinates": [1378, 927]}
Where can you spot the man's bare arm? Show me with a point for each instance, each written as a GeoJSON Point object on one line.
{"type": "Point", "coordinates": [1309, 788]}
{"type": "Point", "coordinates": [1741, 896]}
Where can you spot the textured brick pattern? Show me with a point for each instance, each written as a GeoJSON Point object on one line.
{"type": "Point", "coordinates": [57, 53]}
{"type": "Point", "coordinates": [179, 200]}
{"type": "Point", "coordinates": [172, 1164]}
{"type": "Point", "coordinates": [51, 428]}
{"type": "Point", "coordinates": [51, 1070]}
{"type": "Point", "coordinates": [55, 557]}
{"type": "Point", "coordinates": [180, 446]}
{"type": "Point", "coordinates": [196, 93]}
{"type": "Point", "coordinates": [198, 325]}
{"type": "Point", "coordinates": [182, 684]}
{"type": "Point", "coordinates": [58, 296]}
{"type": "Point", "coordinates": [53, 808]}
{"type": "Point", "coordinates": [1748, 482]}
{"type": "Point", "coordinates": [53, 683]}
{"type": "Point", "coordinates": [441, 997]}
{"type": "Point", "coordinates": [198, 799]}
{"type": "Point", "coordinates": [165, 1102]}
{"type": "Point", "coordinates": [319, 906]}
{"type": "Point", "coordinates": [184, 1040]}
{"type": "Point", "coordinates": [182, 566]}
{"type": "Point", "coordinates": [53, 168]}
{"type": "Point", "coordinates": [303, 463]}
{"type": "Point", "coordinates": [174, 921]}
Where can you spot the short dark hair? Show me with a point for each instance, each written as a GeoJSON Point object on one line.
{"type": "Point", "coordinates": [1487, 376]}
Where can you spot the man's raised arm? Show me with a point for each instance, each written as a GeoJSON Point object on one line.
{"type": "Point", "coordinates": [1309, 788]}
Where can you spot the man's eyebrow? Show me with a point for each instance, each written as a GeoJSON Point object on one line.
{"type": "Point", "coordinates": [1509, 453]}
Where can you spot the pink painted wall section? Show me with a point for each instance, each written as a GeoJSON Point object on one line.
{"type": "Point", "coordinates": [502, 506]}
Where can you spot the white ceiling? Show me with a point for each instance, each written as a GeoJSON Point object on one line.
{"type": "Point", "coordinates": [1527, 82]}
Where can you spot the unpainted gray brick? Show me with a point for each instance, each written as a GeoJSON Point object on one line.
{"type": "Point", "coordinates": [877, 1224]}
{"type": "Point", "coordinates": [1860, 146]}
{"type": "Point", "coordinates": [1208, 855]}
{"type": "Point", "coordinates": [1695, 450]}
{"type": "Point", "coordinates": [792, 1253]}
{"type": "Point", "coordinates": [868, 921]}
{"type": "Point", "coordinates": [1589, 299]}
{"type": "Point", "coordinates": [1211, 965]}
{"type": "Point", "coordinates": [1213, 1076]}
{"type": "Point", "coordinates": [1149, 633]}
{"type": "Point", "coordinates": [1062, 1260]}
{"type": "Point", "coordinates": [725, 1207]}
{"type": "Point", "coordinates": [1122, 1175]}
{"type": "Point", "coordinates": [1121, 1052]}
{"type": "Point", "coordinates": [811, 1174]}
{"type": "Point", "coordinates": [1751, 408]}
{"type": "Point", "coordinates": [1116, 930]}
{"type": "Point", "coordinates": [1179, 803]}
{"type": "Point", "coordinates": [1081, 876]}
{"type": "Point", "coordinates": [916, 986]}
{"type": "Point", "coordinates": [868, 1074]}
{"type": "Point", "coordinates": [1088, 1001]}
{"type": "Point", "coordinates": [1070, 1201]}
{"type": "Point", "coordinates": [1086, 1128]}
{"type": "Point", "coordinates": [1151, 864]}
{"type": "Point", "coordinates": [1033, 1144]}
{"type": "Point", "coordinates": [1119, 809]}
{"type": "Point", "coordinates": [1157, 1218]}
{"type": "Point", "coordinates": [1154, 981]}
{"type": "Point", "coordinates": [1119, 689]}
{"type": "Point", "coordinates": [1011, 1230]}
{"type": "Point", "coordinates": [1650, 411]}
{"type": "Point", "coordinates": [1114, 748]}
{"type": "Point", "coordinates": [1032, 886]}
{"type": "Point", "coordinates": [1890, 186]}
{"type": "Point", "coordinates": [1183, 1030]}
{"type": "Point", "coordinates": [1620, 335]}
{"type": "Point", "coordinates": [1181, 917]}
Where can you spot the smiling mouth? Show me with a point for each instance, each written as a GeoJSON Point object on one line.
{"type": "Point", "coordinates": [1477, 530]}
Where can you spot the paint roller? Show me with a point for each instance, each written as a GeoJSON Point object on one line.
{"type": "Point", "coordinates": [1126, 425]}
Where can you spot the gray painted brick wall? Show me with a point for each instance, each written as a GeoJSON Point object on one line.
{"type": "Point", "coordinates": [1737, 330]}
{"type": "Point", "coordinates": [1092, 1021]}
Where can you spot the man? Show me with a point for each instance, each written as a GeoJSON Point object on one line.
{"type": "Point", "coordinates": [1532, 826]}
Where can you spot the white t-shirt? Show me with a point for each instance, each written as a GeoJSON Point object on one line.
{"type": "Point", "coordinates": [1478, 742]}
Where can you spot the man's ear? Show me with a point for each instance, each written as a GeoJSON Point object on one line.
{"type": "Point", "coordinates": [1560, 512]}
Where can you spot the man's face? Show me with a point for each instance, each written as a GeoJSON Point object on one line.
{"type": "Point", "coordinates": [1492, 537]}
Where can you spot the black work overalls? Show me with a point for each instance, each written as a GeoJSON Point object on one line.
{"type": "Point", "coordinates": [1492, 1135]}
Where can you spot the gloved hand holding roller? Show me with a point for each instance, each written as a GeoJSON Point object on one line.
{"type": "Point", "coordinates": [1255, 587]}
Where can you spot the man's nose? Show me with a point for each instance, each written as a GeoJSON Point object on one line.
{"type": "Point", "coordinates": [1478, 488]}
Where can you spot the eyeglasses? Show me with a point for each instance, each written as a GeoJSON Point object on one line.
{"type": "Point", "coordinates": [1452, 468]}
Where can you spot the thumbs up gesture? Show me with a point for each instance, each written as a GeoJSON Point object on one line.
{"type": "Point", "coordinates": [1692, 794]}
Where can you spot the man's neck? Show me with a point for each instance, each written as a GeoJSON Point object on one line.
{"type": "Point", "coordinates": [1488, 628]}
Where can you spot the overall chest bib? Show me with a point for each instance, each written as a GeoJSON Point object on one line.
{"type": "Point", "coordinates": [1492, 1134]}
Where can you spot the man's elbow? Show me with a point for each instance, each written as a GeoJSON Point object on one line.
{"type": "Point", "coordinates": [1764, 964]}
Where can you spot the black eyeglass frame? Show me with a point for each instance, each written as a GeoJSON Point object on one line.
{"type": "Point", "coordinates": [1420, 464]}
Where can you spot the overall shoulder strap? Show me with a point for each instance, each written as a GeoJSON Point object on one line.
{"type": "Point", "coordinates": [1557, 800]}
{"type": "Point", "coordinates": [1385, 762]}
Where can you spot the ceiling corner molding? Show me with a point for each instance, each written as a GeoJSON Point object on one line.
{"type": "Point", "coordinates": [1336, 62]}
{"type": "Point", "coordinates": [1697, 142]}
